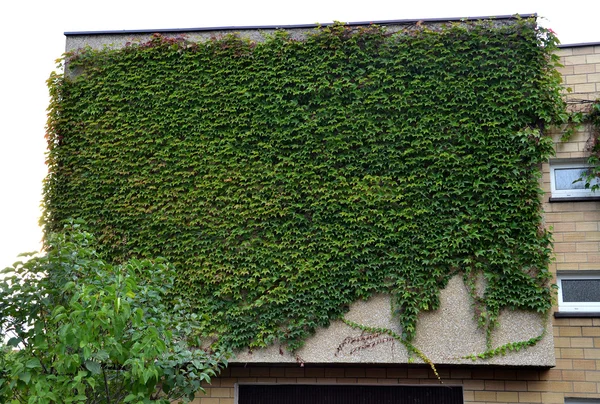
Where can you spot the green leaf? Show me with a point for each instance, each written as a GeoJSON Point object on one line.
{"type": "Point", "coordinates": [93, 367]}
{"type": "Point", "coordinates": [14, 342]}
{"type": "Point", "coordinates": [33, 363]}
{"type": "Point", "coordinates": [25, 377]}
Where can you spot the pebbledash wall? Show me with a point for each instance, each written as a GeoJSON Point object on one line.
{"type": "Point", "coordinates": [562, 368]}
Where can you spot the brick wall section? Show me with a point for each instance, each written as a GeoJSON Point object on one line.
{"type": "Point", "coordinates": [576, 228]}
{"type": "Point", "coordinates": [480, 384]}
{"type": "Point", "coordinates": [581, 71]}
{"type": "Point", "coordinates": [576, 224]}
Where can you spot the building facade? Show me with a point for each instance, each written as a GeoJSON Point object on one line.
{"type": "Point", "coordinates": [564, 367]}
{"type": "Point", "coordinates": [575, 220]}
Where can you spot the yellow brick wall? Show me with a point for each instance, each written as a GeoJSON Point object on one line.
{"type": "Point", "coordinates": [581, 72]}
{"type": "Point", "coordinates": [573, 378]}
{"type": "Point", "coordinates": [576, 228]}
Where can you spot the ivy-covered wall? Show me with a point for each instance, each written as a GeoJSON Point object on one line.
{"type": "Point", "coordinates": [288, 178]}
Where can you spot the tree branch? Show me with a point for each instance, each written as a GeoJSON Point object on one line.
{"type": "Point", "coordinates": [106, 386]}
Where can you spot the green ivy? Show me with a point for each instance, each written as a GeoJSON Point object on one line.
{"type": "Point", "coordinates": [288, 178]}
{"type": "Point", "coordinates": [412, 350]}
{"type": "Point", "coordinates": [589, 115]}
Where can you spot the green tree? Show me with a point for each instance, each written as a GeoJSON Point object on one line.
{"type": "Point", "coordinates": [76, 329]}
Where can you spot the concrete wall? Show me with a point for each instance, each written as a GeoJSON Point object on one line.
{"type": "Point", "coordinates": [445, 336]}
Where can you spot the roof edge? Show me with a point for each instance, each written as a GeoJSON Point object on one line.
{"type": "Point", "coordinates": [578, 45]}
{"type": "Point", "coordinates": [273, 27]}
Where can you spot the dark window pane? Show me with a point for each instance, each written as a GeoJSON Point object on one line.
{"type": "Point", "coordinates": [580, 290]}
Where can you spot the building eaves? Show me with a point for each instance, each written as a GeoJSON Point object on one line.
{"type": "Point", "coordinates": [578, 45]}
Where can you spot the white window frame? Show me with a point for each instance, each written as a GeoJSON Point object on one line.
{"type": "Point", "coordinates": [569, 193]}
{"type": "Point", "coordinates": [580, 307]}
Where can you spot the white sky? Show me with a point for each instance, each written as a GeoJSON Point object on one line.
{"type": "Point", "coordinates": [32, 36]}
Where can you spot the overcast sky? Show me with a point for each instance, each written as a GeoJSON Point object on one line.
{"type": "Point", "coordinates": [32, 38]}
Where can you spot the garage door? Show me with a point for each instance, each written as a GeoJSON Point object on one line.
{"type": "Point", "coordinates": [348, 394]}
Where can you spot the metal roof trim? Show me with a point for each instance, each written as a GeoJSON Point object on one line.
{"type": "Point", "coordinates": [578, 45]}
{"type": "Point", "coordinates": [297, 26]}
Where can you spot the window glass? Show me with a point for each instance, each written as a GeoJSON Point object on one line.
{"type": "Point", "coordinates": [567, 178]}
{"type": "Point", "coordinates": [581, 290]}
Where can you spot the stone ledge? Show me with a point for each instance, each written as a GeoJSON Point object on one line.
{"type": "Point", "coordinates": [446, 336]}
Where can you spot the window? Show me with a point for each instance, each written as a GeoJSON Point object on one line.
{"type": "Point", "coordinates": [565, 179]}
{"type": "Point", "coordinates": [579, 292]}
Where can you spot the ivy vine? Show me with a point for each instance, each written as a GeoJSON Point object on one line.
{"type": "Point", "coordinates": [588, 113]}
{"type": "Point", "coordinates": [288, 178]}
